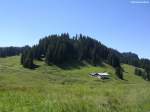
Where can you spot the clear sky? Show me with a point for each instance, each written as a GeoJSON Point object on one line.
{"type": "Point", "coordinates": [120, 24]}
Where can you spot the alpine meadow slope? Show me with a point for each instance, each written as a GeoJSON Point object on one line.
{"type": "Point", "coordinates": [53, 76]}
{"type": "Point", "coordinates": [70, 89]}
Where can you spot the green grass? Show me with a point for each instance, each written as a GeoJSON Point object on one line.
{"type": "Point", "coordinates": [54, 89]}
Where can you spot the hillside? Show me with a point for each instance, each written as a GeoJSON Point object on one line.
{"type": "Point", "coordinates": [59, 49]}
{"type": "Point", "coordinates": [69, 89]}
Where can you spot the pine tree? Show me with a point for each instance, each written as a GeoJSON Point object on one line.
{"type": "Point", "coordinates": [27, 59]}
{"type": "Point", "coordinates": [113, 60]}
{"type": "Point", "coordinates": [50, 54]}
{"type": "Point", "coordinates": [119, 72]}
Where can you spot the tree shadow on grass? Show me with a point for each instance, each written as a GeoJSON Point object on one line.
{"type": "Point", "coordinates": [71, 65]}
{"type": "Point", "coordinates": [34, 67]}
{"type": "Point", "coordinates": [125, 79]}
{"type": "Point", "coordinates": [77, 65]}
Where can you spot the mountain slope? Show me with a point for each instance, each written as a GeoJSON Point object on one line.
{"type": "Point", "coordinates": [69, 89]}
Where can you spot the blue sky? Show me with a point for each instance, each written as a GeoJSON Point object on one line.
{"type": "Point", "coordinates": [120, 24]}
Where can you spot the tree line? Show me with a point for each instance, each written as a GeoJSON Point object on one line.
{"type": "Point", "coordinates": [10, 51]}
{"type": "Point", "coordinates": [59, 49]}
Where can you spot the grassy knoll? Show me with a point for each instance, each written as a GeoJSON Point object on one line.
{"type": "Point", "coordinates": [69, 89]}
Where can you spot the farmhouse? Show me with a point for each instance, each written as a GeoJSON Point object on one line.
{"type": "Point", "coordinates": [100, 75]}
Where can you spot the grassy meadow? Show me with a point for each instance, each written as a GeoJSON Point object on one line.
{"type": "Point", "coordinates": [70, 89]}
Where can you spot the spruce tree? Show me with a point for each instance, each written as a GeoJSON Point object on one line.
{"type": "Point", "coordinates": [27, 59]}
{"type": "Point", "coordinates": [119, 72]}
{"type": "Point", "coordinates": [113, 60]}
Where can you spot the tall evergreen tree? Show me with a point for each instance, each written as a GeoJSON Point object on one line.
{"type": "Point", "coordinates": [119, 72]}
{"type": "Point", "coordinates": [113, 60]}
{"type": "Point", "coordinates": [27, 59]}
